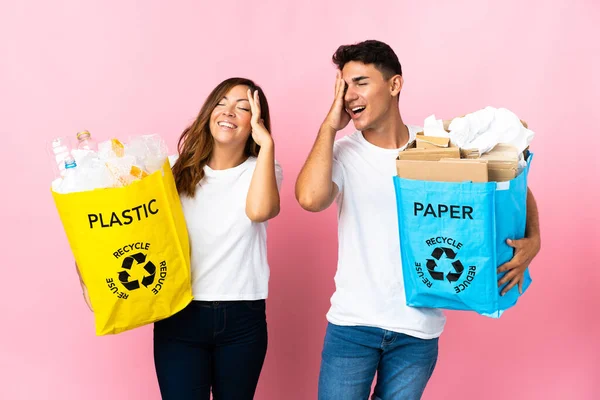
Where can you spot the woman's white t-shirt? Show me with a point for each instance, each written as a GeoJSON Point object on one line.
{"type": "Point", "coordinates": [228, 250]}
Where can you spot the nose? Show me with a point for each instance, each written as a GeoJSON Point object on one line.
{"type": "Point", "coordinates": [350, 95]}
{"type": "Point", "coordinates": [229, 111]}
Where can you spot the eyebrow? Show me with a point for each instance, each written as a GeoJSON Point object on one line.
{"type": "Point", "coordinates": [359, 78]}
{"type": "Point", "coordinates": [225, 97]}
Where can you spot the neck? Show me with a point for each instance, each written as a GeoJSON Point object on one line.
{"type": "Point", "coordinates": [225, 157]}
{"type": "Point", "coordinates": [390, 133]}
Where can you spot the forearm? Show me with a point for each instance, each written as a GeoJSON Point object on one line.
{"type": "Point", "coordinates": [79, 275]}
{"type": "Point", "coordinates": [314, 187]}
{"type": "Point", "coordinates": [262, 202]}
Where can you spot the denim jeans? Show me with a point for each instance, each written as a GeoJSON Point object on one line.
{"type": "Point", "coordinates": [352, 354]}
{"type": "Point", "coordinates": [218, 345]}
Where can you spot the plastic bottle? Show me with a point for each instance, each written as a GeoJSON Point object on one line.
{"type": "Point", "coordinates": [86, 142]}
{"type": "Point", "coordinates": [59, 151]}
{"type": "Point", "coordinates": [69, 163]}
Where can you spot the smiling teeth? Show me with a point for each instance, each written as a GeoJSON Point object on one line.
{"type": "Point", "coordinates": [227, 125]}
{"type": "Point", "coordinates": [356, 109]}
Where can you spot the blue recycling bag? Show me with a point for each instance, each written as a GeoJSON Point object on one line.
{"type": "Point", "coordinates": [453, 238]}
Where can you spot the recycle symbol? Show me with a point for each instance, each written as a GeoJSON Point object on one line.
{"type": "Point", "coordinates": [450, 255]}
{"type": "Point", "coordinates": [124, 276]}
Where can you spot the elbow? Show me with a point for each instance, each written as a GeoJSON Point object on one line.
{"type": "Point", "coordinates": [310, 199]}
{"type": "Point", "coordinates": [262, 215]}
{"type": "Point", "coordinates": [308, 202]}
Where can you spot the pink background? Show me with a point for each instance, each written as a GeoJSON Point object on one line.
{"type": "Point", "coordinates": [120, 68]}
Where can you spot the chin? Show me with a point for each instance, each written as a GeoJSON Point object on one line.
{"type": "Point", "coordinates": [360, 125]}
{"type": "Point", "coordinates": [225, 142]}
{"type": "Point", "coordinates": [229, 140]}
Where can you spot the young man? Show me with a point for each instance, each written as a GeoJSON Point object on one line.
{"type": "Point", "coordinates": [370, 327]}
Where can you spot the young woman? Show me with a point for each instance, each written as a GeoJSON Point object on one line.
{"type": "Point", "coordinates": [228, 182]}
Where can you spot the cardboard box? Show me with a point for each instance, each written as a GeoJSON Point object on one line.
{"type": "Point", "coordinates": [431, 158]}
{"type": "Point", "coordinates": [469, 154]}
{"type": "Point", "coordinates": [431, 154]}
{"type": "Point", "coordinates": [503, 163]}
{"type": "Point", "coordinates": [445, 170]}
{"type": "Point", "coordinates": [431, 142]}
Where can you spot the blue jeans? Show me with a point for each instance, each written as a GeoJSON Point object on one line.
{"type": "Point", "coordinates": [352, 354]}
{"type": "Point", "coordinates": [218, 345]}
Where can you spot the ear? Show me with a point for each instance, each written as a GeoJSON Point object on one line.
{"type": "Point", "coordinates": [396, 83]}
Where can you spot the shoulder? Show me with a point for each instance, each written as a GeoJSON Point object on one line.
{"type": "Point", "coordinates": [413, 130]}
{"type": "Point", "coordinates": [342, 145]}
{"type": "Point", "coordinates": [250, 167]}
{"type": "Point", "coordinates": [347, 140]}
{"type": "Point", "coordinates": [251, 164]}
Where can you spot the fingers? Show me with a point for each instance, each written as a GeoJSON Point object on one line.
{"type": "Point", "coordinates": [337, 84]}
{"type": "Point", "coordinates": [257, 103]}
{"type": "Point", "coordinates": [251, 101]}
{"type": "Point", "coordinates": [514, 263]}
{"type": "Point", "coordinates": [515, 244]}
{"type": "Point", "coordinates": [507, 277]}
{"type": "Point", "coordinates": [515, 267]}
{"type": "Point", "coordinates": [341, 85]}
{"type": "Point", "coordinates": [254, 101]}
{"type": "Point", "coordinates": [517, 280]}
{"type": "Point", "coordinates": [520, 286]}
{"type": "Point", "coordinates": [86, 297]}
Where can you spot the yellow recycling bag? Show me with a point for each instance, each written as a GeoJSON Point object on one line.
{"type": "Point", "coordinates": [132, 249]}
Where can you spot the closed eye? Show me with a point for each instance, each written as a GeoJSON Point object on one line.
{"type": "Point", "coordinates": [245, 109]}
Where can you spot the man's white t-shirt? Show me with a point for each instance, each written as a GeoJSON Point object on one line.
{"type": "Point", "coordinates": [369, 283]}
{"type": "Point", "coordinates": [228, 250]}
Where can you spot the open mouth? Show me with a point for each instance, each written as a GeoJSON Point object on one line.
{"type": "Point", "coordinates": [226, 125]}
{"type": "Point", "coordinates": [357, 110]}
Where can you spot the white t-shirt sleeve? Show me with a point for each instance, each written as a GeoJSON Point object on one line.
{"type": "Point", "coordinates": [278, 175]}
{"type": "Point", "coordinates": [337, 169]}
